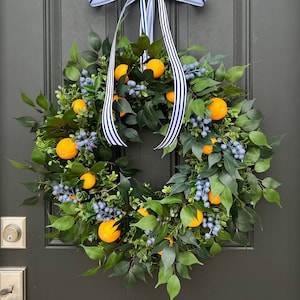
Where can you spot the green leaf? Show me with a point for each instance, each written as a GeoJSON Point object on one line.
{"type": "Point", "coordinates": [168, 257]}
{"type": "Point", "coordinates": [258, 138]}
{"type": "Point", "coordinates": [132, 135]}
{"type": "Point", "coordinates": [129, 279]}
{"type": "Point", "coordinates": [143, 42]}
{"type": "Point", "coordinates": [92, 271]}
{"type": "Point", "coordinates": [38, 156]}
{"type": "Point", "coordinates": [19, 165]}
{"type": "Point", "coordinates": [31, 200]}
{"type": "Point", "coordinates": [72, 73]}
{"type": "Point", "coordinates": [26, 99]}
{"type": "Point", "coordinates": [112, 260]}
{"type": "Point", "coordinates": [138, 272]}
{"type": "Point", "coordinates": [155, 206]}
{"type": "Point", "coordinates": [94, 40]}
{"type": "Point", "coordinates": [269, 182]}
{"type": "Point", "coordinates": [121, 268]}
{"type": "Point", "coordinates": [272, 196]}
{"type": "Point", "coordinates": [146, 223]}
{"type": "Point", "coordinates": [187, 59]}
{"type": "Point", "coordinates": [214, 158]}
{"type": "Point", "coordinates": [69, 208]}
{"type": "Point", "coordinates": [189, 238]}
{"type": "Point", "coordinates": [27, 121]}
{"type": "Point", "coordinates": [73, 53]}
{"type": "Point", "coordinates": [94, 252]}
{"type": "Point", "coordinates": [89, 56]}
{"type": "Point", "coordinates": [98, 167]}
{"type": "Point", "coordinates": [42, 101]}
{"type": "Point", "coordinates": [220, 73]}
{"type": "Point", "coordinates": [224, 235]}
{"type": "Point", "coordinates": [196, 48]}
{"type": "Point", "coordinates": [240, 238]}
{"type": "Point", "coordinates": [78, 168]}
{"type": "Point", "coordinates": [173, 286]}
{"type": "Point", "coordinates": [164, 275]}
{"type": "Point", "coordinates": [183, 271]}
{"type": "Point", "coordinates": [198, 107]}
{"type": "Point", "coordinates": [171, 200]}
{"type": "Point", "coordinates": [262, 165]}
{"type": "Point", "coordinates": [252, 155]}
{"type": "Point", "coordinates": [235, 73]}
{"type": "Point", "coordinates": [188, 258]}
{"type": "Point", "coordinates": [186, 215]}
{"type": "Point", "coordinates": [215, 249]}
{"type": "Point", "coordinates": [228, 181]}
{"type": "Point", "coordinates": [203, 83]}
{"type": "Point", "coordinates": [226, 199]}
{"type": "Point", "coordinates": [64, 223]}
{"type": "Point", "coordinates": [155, 48]}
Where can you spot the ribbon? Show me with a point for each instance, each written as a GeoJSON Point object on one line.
{"type": "Point", "coordinates": [180, 85]}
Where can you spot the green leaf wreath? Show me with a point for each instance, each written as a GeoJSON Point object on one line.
{"type": "Point", "coordinates": [122, 224]}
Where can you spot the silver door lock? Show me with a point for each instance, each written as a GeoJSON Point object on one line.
{"type": "Point", "coordinates": [13, 232]}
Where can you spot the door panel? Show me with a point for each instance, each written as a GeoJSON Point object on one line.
{"type": "Point", "coordinates": [35, 40]}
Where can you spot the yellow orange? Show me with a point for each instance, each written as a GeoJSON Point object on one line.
{"type": "Point", "coordinates": [157, 66]}
{"type": "Point", "coordinates": [89, 180]}
{"type": "Point", "coordinates": [120, 71]}
{"type": "Point", "coordinates": [197, 220]}
{"type": "Point", "coordinates": [170, 96]}
{"type": "Point", "coordinates": [108, 231]}
{"type": "Point", "coordinates": [217, 108]}
{"type": "Point", "coordinates": [214, 199]}
{"type": "Point", "coordinates": [66, 148]}
{"type": "Point", "coordinates": [208, 149]}
{"type": "Point", "coordinates": [143, 211]}
{"type": "Point", "coordinates": [78, 105]}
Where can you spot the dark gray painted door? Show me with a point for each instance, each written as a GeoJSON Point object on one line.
{"type": "Point", "coordinates": [35, 38]}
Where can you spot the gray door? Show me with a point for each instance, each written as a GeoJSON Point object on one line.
{"type": "Point", "coordinates": [35, 38]}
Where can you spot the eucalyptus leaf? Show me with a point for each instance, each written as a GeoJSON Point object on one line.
{"type": "Point", "coordinates": [164, 275]}
{"type": "Point", "coordinates": [173, 287]}
{"type": "Point", "coordinates": [188, 258]}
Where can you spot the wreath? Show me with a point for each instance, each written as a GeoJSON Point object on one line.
{"type": "Point", "coordinates": [125, 225]}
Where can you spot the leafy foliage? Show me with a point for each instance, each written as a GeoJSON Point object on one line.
{"type": "Point", "coordinates": [158, 237]}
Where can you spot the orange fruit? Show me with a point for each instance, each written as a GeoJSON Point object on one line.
{"type": "Point", "coordinates": [171, 242]}
{"type": "Point", "coordinates": [66, 148]}
{"type": "Point", "coordinates": [78, 105]}
{"type": "Point", "coordinates": [120, 71]}
{"type": "Point", "coordinates": [208, 149]}
{"type": "Point", "coordinates": [170, 96]}
{"type": "Point", "coordinates": [197, 220]}
{"type": "Point", "coordinates": [212, 199]}
{"type": "Point", "coordinates": [116, 98]}
{"type": "Point", "coordinates": [157, 66]}
{"type": "Point", "coordinates": [89, 180]}
{"type": "Point", "coordinates": [143, 211]}
{"type": "Point", "coordinates": [217, 108]}
{"type": "Point", "coordinates": [108, 232]}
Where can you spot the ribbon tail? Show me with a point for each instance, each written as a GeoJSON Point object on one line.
{"type": "Point", "coordinates": [108, 126]}
{"type": "Point", "coordinates": [180, 86]}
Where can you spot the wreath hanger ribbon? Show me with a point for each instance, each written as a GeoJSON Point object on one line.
{"type": "Point", "coordinates": [180, 86]}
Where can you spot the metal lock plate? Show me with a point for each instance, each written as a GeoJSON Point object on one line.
{"type": "Point", "coordinates": [12, 283]}
{"type": "Point", "coordinates": [13, 232]}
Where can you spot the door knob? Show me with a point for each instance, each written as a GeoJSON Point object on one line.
{"type": "Point", "coordinates": [6, 291]}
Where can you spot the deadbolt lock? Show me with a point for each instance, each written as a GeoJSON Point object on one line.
{"type": "Point", "coordinates": [13, 232]}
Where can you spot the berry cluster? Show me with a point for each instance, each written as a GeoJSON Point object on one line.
{"type": "Point", "coordinates": [203, 188]}
{"type": "Point", "coordinates": [213, 224]}
{"type": "Point", "coordinates": [65, 193]}
{"type": "Point", "coordinates": [151, 240]}
{"type": "Point", "coordinates": [85, 80]}
{"type": "Point", "coordinates": [135, 89]}
{"type": "Point", "coordinates": [104, 212]}
{"type": "Point", "coordinates": [191, 71]}
{"type": "Point", "coordinates": [236, 148]}
{"type": "Point", "coordinates": [85, 141]}
{"type": "Point", "coordinates": [202, 123]}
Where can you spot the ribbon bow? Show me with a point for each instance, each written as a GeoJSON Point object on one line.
{"type": "Point", "coordinates": [180, 86]}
